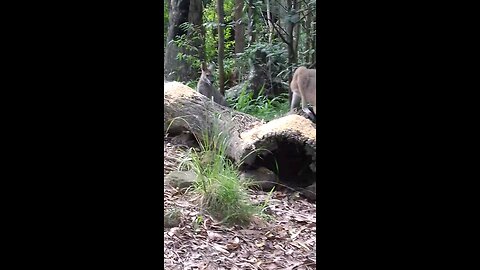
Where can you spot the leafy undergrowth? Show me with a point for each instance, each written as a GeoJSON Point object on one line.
{"type": "Point", "coordinates": [261, 107]}
{"type": "Point", "coordinates": [286, 241]}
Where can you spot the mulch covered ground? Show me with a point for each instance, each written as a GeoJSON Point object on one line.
{"type": "Point", "coordinates": [288, 241]}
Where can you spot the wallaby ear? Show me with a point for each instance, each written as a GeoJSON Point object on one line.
{"type": "Point", "coordinates": [204, 66]}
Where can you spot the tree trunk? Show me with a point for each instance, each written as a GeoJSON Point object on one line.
{"type": "Point", "coordinates": [167, 6]}
{"type": "Point", "coordinates": [308, 43]}
{"type": "Point", "coordinates": [314, 39]}
{"type": "Point", "coordinates": [270, 33]}
{"type": "Point", "coordinates": [239, 35]}
{"type": "Point", "coordinates": [178, 15]}
{"type": "Point", "coordinates": [181, 11]}
{"type": "Point", "coordinates": [251, 22]}
{"type": "Point", "coordinates": [257, 77]}
{"type": "Point", "coordinates": [195, 16]}
{"type": "Point", "coordinates": [221, 49]}
{"type": "Point", "coordinates": [286, 145]}
{"type": "Point", "coordinates": [297, 30]}
{"type": "Point", "coordinates": [290, 49]}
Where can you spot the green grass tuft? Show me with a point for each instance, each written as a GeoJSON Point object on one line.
{"type": "Point", "coordinates": [224, 196]}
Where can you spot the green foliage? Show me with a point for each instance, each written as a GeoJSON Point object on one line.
{"type": "Point", "coordinates": [186, 41]}
{"type": "Point", "coordinates": [261, 107]}
{"type": "Point", "coordinates": [276, 52]}
{"type": "Point", "coordinates": [211, 30]}
{"type": "Point", "coordinates": [192, 84]}
{"type": "Point", "coordinates": [197, 222]}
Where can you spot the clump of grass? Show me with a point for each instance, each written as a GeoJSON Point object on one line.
{"type": "Point", "coordinates": [224, 196]}
{"type": "Point", "coordinates": [261, 107]}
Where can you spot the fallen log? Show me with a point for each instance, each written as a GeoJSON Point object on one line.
{"type": "Point", "coordinates": [286, 145]}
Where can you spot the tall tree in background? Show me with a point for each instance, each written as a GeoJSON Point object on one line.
{"type": "Point", "coordinates": [292, 19]}
{"type": "Point", "coordinates": [251, 22]}
{"type": "Point", "coordinates": [195, 17]}
{"type": "Point", "coordinates": [239, 33]}
{"type": "Point", "coordinates": [221, 46]}
{"type": "Point", "coordinates": [257, 77]}
{"type": "Point", "coordinates": [182, 11]}
{"type": "Point", "coordinates": [256, 44]}
{"type": "Point", "coordinates": [270, 39]}
{"type": "Point", "coordinates": [309, 45]}
{"type": "Point", "coordinates": [296, 31]}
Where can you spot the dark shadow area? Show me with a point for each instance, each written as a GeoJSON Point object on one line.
{"type": "Point", "coordinates": [182, 137]}
{"type": "Point", "coordinates": [289, 160]}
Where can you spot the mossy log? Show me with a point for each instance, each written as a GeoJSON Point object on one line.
{"type": "Point", "coordinates": [286, 145]}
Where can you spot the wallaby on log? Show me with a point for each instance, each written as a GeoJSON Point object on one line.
{"type": "Point", "coordinates": [304, 87]}
{"type": "Point", "coordinates": [205, 86]}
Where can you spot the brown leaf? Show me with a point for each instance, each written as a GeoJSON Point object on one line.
{"type": "Point", "coordinates": [294, 234]}
{"type": "Point", "coordinates": [270, 266]}
{"type": "Point", "coordinates": [250, 232]}
{"type": "Point", "coordinates": [259, 243]}
{"type": "Point", "coordinates": [233, 244]}
{"type": "Point", "coordinates": [214, 236]}
{"type": "Point", "coordinates": [220, 248]}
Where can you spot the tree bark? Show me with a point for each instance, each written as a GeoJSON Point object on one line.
{"type": "Point", "coordinates": [239, 37]}
{"type": "Point", "coordinates": [290, 49]}
{"type": "Point", "coordinates": [286, 145]}
{"type": "Point", "coordinates": [270, 34]}
{"type": "Point", "coordinates": [195, 17]}
{"type": "Point", "coordinates": [251, 23]}
{"type": "Point", "coordinates": [308, 42]}
{"type": "Point", "coordinates": [178, 15]}
{"type": "Point", "coordinates": [221, 47]}
{"type": "Point", "coordinates": [182, 11]}
{"type": "Point", "coordinates": [239, 27]}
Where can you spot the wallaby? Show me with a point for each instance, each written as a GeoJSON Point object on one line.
{"type": "Point", "coordinates": [304, 87]}
{"type": "Point", "coordinates": [206, 88]}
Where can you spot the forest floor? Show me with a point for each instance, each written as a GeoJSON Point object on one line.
{"type": "Point", "coordinates": [287, 241]}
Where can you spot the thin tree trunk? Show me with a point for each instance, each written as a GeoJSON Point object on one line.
{"type": "Point", "coordinates": [239, 27]}
{"type": "Point", "coordinates": [290, 49]}
{"type": "Point", "coordinates": [270, 33]}
{"type": "Point", "coordinates": [297, 30]}
{"type": "Point", "coordinates": [221, 49]}
{"type": "Point", "coordinates": [314, 39]}
{"type": "Point", "coordinates": [308, 42]}
{"type": "Point", "coordinates": [251, 23]}
{"type": "Point", "coordinates": [195, 16]}
{"type": "Point", "coordinates": [239, 38]}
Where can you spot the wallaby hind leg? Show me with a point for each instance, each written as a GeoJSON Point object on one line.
{"type": "Point", "coordinates": [305, 107]}
{"type": "Point", "coordinates": [295, 100]}
{"type": "Point", "coordinates": [304, 85]}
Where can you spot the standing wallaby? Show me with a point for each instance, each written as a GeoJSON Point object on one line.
{"type": "Point", "coordinates": [304, 87]}
{"type": "Point", "coordinates": [206, 88]}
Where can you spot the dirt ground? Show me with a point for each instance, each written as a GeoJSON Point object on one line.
{"type": "Point", "coordinates": [288, 241]}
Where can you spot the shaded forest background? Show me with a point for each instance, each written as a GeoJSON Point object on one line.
{"type": "Point", "coordinates": [255, 44]}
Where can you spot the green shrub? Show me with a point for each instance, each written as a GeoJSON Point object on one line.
{"type": "Point", "coordinates": [261, 107]}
